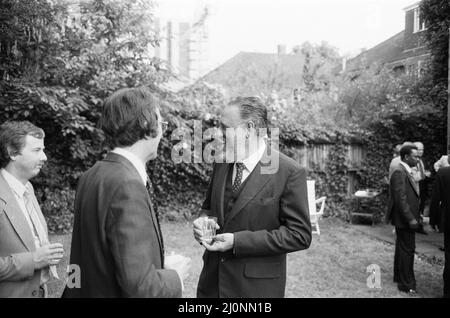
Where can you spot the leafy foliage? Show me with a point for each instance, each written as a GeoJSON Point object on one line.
{"type": "Point", "coordinates": [56, 68]}
{"type": "Point", "coordinates": [436, 14]}
{"type": "Point", "coordinates": [333, 180]}
{"type": "Point", "coordinates": [56, 71]}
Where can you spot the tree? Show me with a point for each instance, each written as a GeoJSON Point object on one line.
{"type": "Point", "coordinates": [57, 73]}
{"type": "Point", "coordinates": [57, 66]}
{"type": "Point", "coordinates": [27, 29]}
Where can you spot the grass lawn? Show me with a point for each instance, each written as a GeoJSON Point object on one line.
{"type": "Point", "coordinates": [334, 266]}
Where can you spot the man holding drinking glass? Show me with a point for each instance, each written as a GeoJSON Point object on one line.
{"type": "Point", "coordinates": [262, 212]}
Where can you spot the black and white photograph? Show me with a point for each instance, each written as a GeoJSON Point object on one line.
{"type": "Point", "coordinates": [244, 150]}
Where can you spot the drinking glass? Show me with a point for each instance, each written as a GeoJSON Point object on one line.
{"type": "Point", "coordinates": [209, 228]}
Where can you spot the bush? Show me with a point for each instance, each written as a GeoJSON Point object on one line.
{"type": "Point", "coordinates": [57, 77]}
{"type": "Point", "coordinates": [57, 206]}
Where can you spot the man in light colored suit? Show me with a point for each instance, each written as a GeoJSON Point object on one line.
{"type": "Point", "coordinates": [27, 258]}
{"type": "Point", "coordinates": [262, 210]}
{"type": "Point", "coordinates": [422, 176]}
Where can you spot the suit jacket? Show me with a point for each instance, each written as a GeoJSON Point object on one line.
{"type": "Point", "coordinates": [17, 275]}
{"type": "Point", "coordinates": [395, 162]}
{"type": "Point", "coordinates": [403, 198]}
{"type": "Point", "coordinates": [440, 198]}
{"type": "Point", "coordinates": [269, 219]}
{"type": "Point", "coordinates": [115, 240]}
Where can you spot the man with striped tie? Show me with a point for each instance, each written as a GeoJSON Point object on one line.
{"type": "Point", "coordinates": [262, 210]}
{"type": "Point", "coordinates": [27, 259]}
{"type": "Point", "coordinates": [117, 241]}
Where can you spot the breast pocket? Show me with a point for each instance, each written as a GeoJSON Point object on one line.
{"type": "Point", "coordinates": [266, 201]}
{"type": "Point", "coordinates": [263, 270]}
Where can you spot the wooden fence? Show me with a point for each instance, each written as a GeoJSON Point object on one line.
{"type": "Point", "coordinates": [315, 157]}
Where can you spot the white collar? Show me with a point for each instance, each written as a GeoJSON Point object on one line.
{"type": "Point", "coordinates": [18, 187]}
{"type": "Point", "coordinates": [137, 163]}
{"type": "Point", "coordinates": [251, 161]}
{"type": "Point", "coordinates": [408, 168]}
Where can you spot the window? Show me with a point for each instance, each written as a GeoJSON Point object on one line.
{"type": "Point", "coordinates": [399, 69]}
{"type": "Point", "coordinates": [412, 69]}
{"type": "Point", "coordinates": [419, 23]}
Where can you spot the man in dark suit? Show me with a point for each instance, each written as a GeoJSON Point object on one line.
{"type": "Point", "coordinates": [440, 199]}
{"type": "Point", "coordinates": [260, 201]}
{"type": "Point", "coordinates": [404, 214]}
{"type": "Point", "coordinates": [117, 241]}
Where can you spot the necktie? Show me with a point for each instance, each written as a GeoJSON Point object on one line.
{"type": "Point", "coordinates": [422, 170]}
{"type": "Point", "coordinates": [151, 193]}
{"type": "Point", "coordinates": [38, 229]}
{"type": "Point", "coordinates": [238, 178]}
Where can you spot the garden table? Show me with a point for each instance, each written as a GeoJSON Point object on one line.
{"type": "Point", "coordinates": [359, 197]}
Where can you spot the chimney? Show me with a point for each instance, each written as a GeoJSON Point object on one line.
{"type": "Point", "coordinates": [344, 64]}
{"type": "Point", "coordinates": [281, 49]}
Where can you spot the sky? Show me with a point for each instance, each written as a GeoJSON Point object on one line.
{"type": "Point", "coordinates": [260, 25]}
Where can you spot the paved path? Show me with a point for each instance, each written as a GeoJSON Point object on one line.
{"type": "Point", "coordinates": [427, 246]}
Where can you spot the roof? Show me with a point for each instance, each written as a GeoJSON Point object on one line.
{"type": "Point", "coordinates": [253, 73]}
{"type": "Point", "coordinates": [386, 52]}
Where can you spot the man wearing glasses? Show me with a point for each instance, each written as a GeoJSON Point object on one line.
{"type": "Point", "coordinates": [117, 241]}
{"type": "Point", "coordinates": [262, 211]}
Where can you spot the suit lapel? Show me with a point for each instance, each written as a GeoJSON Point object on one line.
{"type": "Point", "coordinates": [255, 183]}
{"type": "Point", "coordinates": [15, 215]}
{"type": "Point", "coordinates": [155, 225]}
{"type": "Point", "coordinates": [219, 190]}
{"type": "Point", "coordinates": [411, 180]}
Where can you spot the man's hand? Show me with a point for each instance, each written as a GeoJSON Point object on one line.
{"type": "Point", "coordinates": [420, 228]}
{"type": "Point", "coordinates": [413, 224]}
{"type": "Point", "coordinates": [221, 243]}
{"type": "Point", "coordinates": [47, 255]}
{"type": "Point", "coordinates": [199, 225]}
{"type": "Point", "coordinates": [427, 174]}
{"type": "Point", "coordinates": [178, 263]}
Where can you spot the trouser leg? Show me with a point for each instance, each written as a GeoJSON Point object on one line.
{"type": "Point", "coordinates": [405, 256]}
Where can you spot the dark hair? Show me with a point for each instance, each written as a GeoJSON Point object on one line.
{"type": "Point", "coordinates": [252, 108]}
{"type": "Point", "coordinates": [12, 136]}
{"type": "Point", "coordinates": [407, 150]}
{"type": "Point", "coordinates": [128, 116]}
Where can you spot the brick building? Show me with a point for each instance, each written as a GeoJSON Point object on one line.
{"type": "Point", "coordinates": [406, 51]}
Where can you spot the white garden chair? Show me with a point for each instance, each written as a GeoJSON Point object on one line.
{"type": "Point", "coordinates": [315, 215]}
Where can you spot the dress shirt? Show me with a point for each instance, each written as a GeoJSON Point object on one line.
{"type": "Point", "coordinates": [136, 162]}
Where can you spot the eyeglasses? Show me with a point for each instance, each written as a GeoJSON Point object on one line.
{"type": "Point", "coordinates": [164, 126]}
